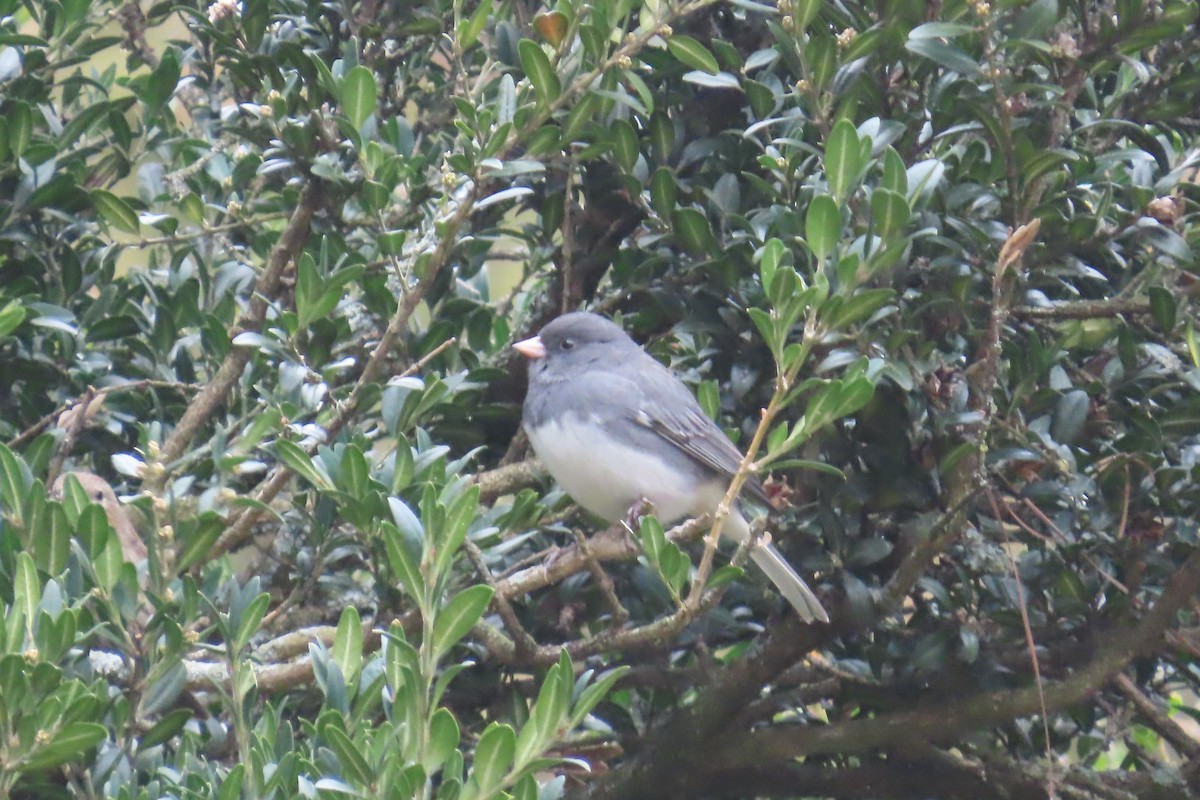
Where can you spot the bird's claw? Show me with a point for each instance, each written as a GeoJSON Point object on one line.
{"type": "Point", "coordinates": [633, 517]}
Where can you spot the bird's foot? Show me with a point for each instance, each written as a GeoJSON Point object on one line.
{"type": "Point", "coordinates": [633, 517]}
{"type": "Point", "coordinates": [553, 557]}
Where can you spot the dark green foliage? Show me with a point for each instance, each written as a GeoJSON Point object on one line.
{"type": "Point", "coordinates": [261, 265]}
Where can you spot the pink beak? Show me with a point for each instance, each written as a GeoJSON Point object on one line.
{"type": "Point", "coordinates": [531, 347]}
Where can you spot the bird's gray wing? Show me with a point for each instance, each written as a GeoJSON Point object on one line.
{"type": "Point", "coordinates": [668, 408]}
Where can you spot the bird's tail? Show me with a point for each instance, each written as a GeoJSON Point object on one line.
{"type": "Point", "coordinates": [790, 585]}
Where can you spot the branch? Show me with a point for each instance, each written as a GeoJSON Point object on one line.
{"type": "Point", "coordinates": [71, 407]}
{"type": "Point", "coordinates": [1157, 718]}
{"type": "Point", "coordinates": [1100, 309]}
{"type": "Point", "coordinates": [613, 544]}
{"type": "Point", "coordinates": [211, 230]}
{"type": "Point", "coordinates": [507, 480]}
{"type": "Point", "coordinates": [946, 778]}
{"type": "Point", "coordinates": [942, 723]}
{"type": "Point", "coordinates": [1083, 309]}
{"type": "Point", "coordinates": [655, 635]}
{"type": "Point", "coordinates": [212, 396]}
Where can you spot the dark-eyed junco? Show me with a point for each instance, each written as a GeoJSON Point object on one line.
{"type": "Point", "coordinates": [614, 427]}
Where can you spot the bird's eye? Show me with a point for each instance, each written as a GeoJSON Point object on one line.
{"type": "Point", "coordinates": [98, 496]}
{"type": "Point", "coordinates": [566, 344]}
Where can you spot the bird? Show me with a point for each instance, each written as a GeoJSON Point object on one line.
{"type": "Point", "coordinates": [614, 427]}
{"type": "Point", "coordinates": [100, 491]}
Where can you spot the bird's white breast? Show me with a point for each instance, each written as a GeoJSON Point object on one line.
{"type": "Point", "coordinates": [606, 476]}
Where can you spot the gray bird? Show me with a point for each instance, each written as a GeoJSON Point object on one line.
{"type": "Point", "coordinates": [613, 427]}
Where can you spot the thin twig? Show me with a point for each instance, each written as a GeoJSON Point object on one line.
{"type": "Point", "coordinates": [568, 245]}
{"type": "Point", "coordinates": [77, 423]}
{"type": "Point", "coordinates": [1031, 646]}
{"type": "Point", "coordinates": [1166, 727]}
{"type": "Point", "coordinates": [620, 615]}
{"type": "Point", "coordinates": [524, 643]}
{"type": "Point", "coordinates": [21, 439]}
{"type": "Point", "coordinates": [211, 230]}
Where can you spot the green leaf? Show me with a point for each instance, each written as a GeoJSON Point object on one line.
{"type": "Point", "coordinates": [251, 618]}
{"type": "Point", "coordinates": [348, 644]}
{"type": "Point", "coordinates": [944, 55]}
{"type": "Point", "coordinates": [405, 563]}
{"type": "Point", "coordinates": [52, 540]}
{"type": "Point", "coordinates": [161, 84]}
{"type": "Point", "coordinates": [27, 588]}
{"type": "Point", "coordinates": [20, 127]}
{"type": "Point", "coordinates": [354, 472]}
{"type": "Point", "coordinates": [1036, 20]}
{"type": "Point", "coordinates": [1070, 415]}
{"type": "Point", "coordinates": [693, 230]}
{"type": "Point", "coordinates": [653, 538]}
{"type": "Point", "coordinates": [709, 399]}
{"type": "Point", "coordinates": [923, 178]}
{"type": "Point", "coordinates": [167, 727]}
{"type": "Point", "coordinates": [592, 695]}
{"type": "Point", "coordinates": [470, 28]}
{"type": "Point", "coordinates": [354, 764]}
{"type": "Point", "coordinates": [299, 462]}
{"type": "Point", "coordinates": [444, 737]}
{"type": "Point", "coordinates": [769, 261]}
{"type": "Point", "coordinates": [1162, 308]}
{"type": "Point", "coordinates": [549, 711]}
{"type": "Point", "coordinates": [675, 567]}
{"type": "Point", "coordinates": [231, 785]}
{"type": "Point", "coordinates": [662, 136]}
{"type": "Point", "coordinates": [547, 140]}
{"type": "Point", "coordinates": [842, 163]}
{"type": "Point", "coordinates": [12, 486]}
{"type": "Point", "coordinates": [11, 316]}
{"type": "Point", "coordinates": [822, 225]}
{"type": "Point", "coordinates": [71, 743]}
{"type": "Point", "coordinates": [581, 114]}
{"type": "Point", "coordinates": [722, 80]}
{"type": "Point", "coordinates": [663, 192]}
{"type": "Point", "coordinates": [939, 30]}
{"type": "Point", "coordinates": [890, 212]}
{"type": "Point", "coordinates": [114, 211]}
{"type": "Point", "coordinates": [805, 11]}
{"type": "Point", "coordinates": [539, 70]}
{"type": "Point", "coordinates": [856, 308]}
{"type": "Point", "coordinates": [624, 144]}
{"type": "Point", "coordinates": [109, 560]}
{"type": "Point", "coordinates": [308, 289]}
{"type": "Point", "coordinates": [358, 95]}
{"type": "Point", "coordinates": [196, 550]}
{"type": "Point", "coordinates": [693, 54]}
{"type": "Point", "coordinates": [866, 552]}
{"type": "Point", "coordinates": [459, 517]}
{"type": "Point", "coordinates": [164, 684]}
{"type": "Point", "coordinates": [724, 575]}
{"type": "Point", "coordinates": [526, 788]}
{"type": "Point", "coordinates": [493, 757]}
{"type": "Point", "coordinates": [458, 616]}
{"type": "Point", "coordinates": [895, 176]}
